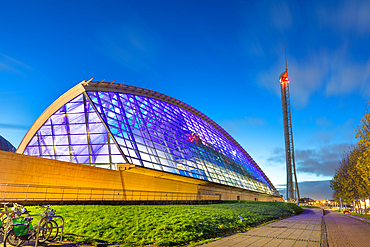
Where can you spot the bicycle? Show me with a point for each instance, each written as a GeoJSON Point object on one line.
{"type": "Point", "coordinates": [51, 225]}
{"type": "Point", "coordinates": [4, 216]}
{"type": "Point", "coordinates": [22, 230]}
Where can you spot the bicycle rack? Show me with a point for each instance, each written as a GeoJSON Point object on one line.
{"type": "Point", "coordinates": [8, 222]}
{"type": "Point", "coordinates": [48, 217]}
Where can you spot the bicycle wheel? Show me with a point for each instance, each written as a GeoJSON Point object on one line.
{"type": "Point", "coordinates": [1, 234]}
{"type": "Point", "coordinates": [45, 232]}
{"type": "Point", "coordinates": [12, 240]}
{"type": "Point", "coordinates": [53, 231]}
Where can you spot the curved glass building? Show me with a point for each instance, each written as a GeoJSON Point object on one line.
{"type": "Point", "coordinates": [103, 124]}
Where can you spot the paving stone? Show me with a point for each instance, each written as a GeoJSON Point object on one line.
{"type": "Point", "coordinates": [313, 244]}
{"type": "Point", "coordinates": [284, 233]}
{"type": "Point", "coordinates": [305, 235]}
{"type": "Point", "coordinates": [315, 236]}
{"type": "Point", "coordinates": [261, 242]}
{"type": "Point", "coordinates": [343, 230]}
{"type": "Point", "coordinates": [287, 243]}
{"type": "Point", "coordinates": [300, 244]}
{"type": "Point", "coordinates": [273, 243]}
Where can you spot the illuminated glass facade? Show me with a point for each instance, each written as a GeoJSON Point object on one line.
{"type": "Point", "coordinates": [104, 128]}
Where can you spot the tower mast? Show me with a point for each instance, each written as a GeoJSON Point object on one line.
{"type": "Point", "coordinates": [292, 184]}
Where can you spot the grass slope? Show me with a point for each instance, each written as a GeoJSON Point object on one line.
{"type": "Point", "coordinates": [165, 225]}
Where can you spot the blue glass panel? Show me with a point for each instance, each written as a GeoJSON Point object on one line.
{"type": "Point", "coordinates": [47, 150]}
{"type": "Point", "coordinates": [82, 159]}
{"type": "Point", "coordinates": [61, 140]}
{"type": "Point", "coordinates": [77, 129]}
{"type": "Point", "coordinates": [99, 149]}
{"type": "Point", "coordinates": [65, 132]}
{"type": "Point", "coordinates": [34, 141]}
{"type": "Point", "coordinates": [62, 110]}
{"type": "Point", "coordinates": [79, 98]}
{"type": "Point", "coordinates": [98, 138]}
{"type": "Point", "coordinates": [80, 150]}
{"type": "Point", "coordinates": [46, 140]}
{"type": "Point", "coordinates": [97, 128]}
{"type": "Point", "coordinates": [76, 118]}
{"type": "Point", "coordinates": [58, 119]}
{"type": "Point", "coordinates": [34, 151]}
{"type": "Point", "coordinates": [62, 150]}
{"type": "Point", "coordinates": [64, 158]}
{"type": "Point", "coordinates": [60, 129]}
{"type": "Point", "coordinates": [93, 118]}
{"type": "Point", "coordinates": [75, 107]}
{"type": "Point", "coordinates": [45, 130]}
{"type": "Point", "coordinates": [78, 139]}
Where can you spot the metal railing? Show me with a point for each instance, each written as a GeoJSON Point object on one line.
{"type": "Point", "coordinates": [29, 192]}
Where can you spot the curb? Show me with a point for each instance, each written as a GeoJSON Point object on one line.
{"type": "Point", "coordinates": [324, 240]}
{"type": "Point", "coordinates": [359, 218]}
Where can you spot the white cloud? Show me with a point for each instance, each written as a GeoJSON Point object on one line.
{"type": "Point", "coordinates": [11, 64]}
{"type": "Point", "coordinates": [335, 72]}
{"type": "Point", "coordinates": [305, 78]}
{"type": "Point", "coordinates": [346, 76]}
{"type": "Point", "coordinates": [321, 161]}
{"type": "Point", "coordinates": [346, 16]}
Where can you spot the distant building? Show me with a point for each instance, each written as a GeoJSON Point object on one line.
{"type": "Point", "coordinates": [306, 200]}
{"type": "Point", "coordinates": [6, 145]}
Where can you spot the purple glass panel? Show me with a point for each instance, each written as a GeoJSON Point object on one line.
{"type": "Point", "coordinates": [80, 150]}
{"type": "Point", "coordinates": [46, 140]}
{"type": "Point", "coordinates": [62, 150]}
{"type": "Point", "coordinates": [61, 140]}
{"type": "Point", "coordinates": [75, 107]}
{"type": "Point", "coordinates": [76, 118]}
{"type": "Point", "coordinates": [45, 130]}
{"type": "Point", "coordinates": [58, 119]}
{"type": "Point", "coordinates": [34, 151]}
{"type": "Point", "coordinates": [77, 129]}
{"type": "Point", "coordinates": [98, 138]}
{"type": "Point", "coordinates": [47, 150]}
{"type": "Point", "coordinates": [82, 159]}
{"type": "Point", "coordinates": [78, 139]}
{"type": "Point", "coordinates": [97, 128]}
{"type": "Point", "coordinates": [64, 158]}
{"type": "Point", "coordinates": [60, 129]}
{"type": "Point", "coordinates": [99, 149]}
{"type": "Point", "coordinates": [66, 133]}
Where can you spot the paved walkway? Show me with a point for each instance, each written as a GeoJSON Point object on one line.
{"type": "Point", "coordinates": [299, 230]}
{"type": "Point", "coordinates": [343, 230]}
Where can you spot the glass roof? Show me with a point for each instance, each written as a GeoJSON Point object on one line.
{"type": "Point", "coordinates": [104, 128]}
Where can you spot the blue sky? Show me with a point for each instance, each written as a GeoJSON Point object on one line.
{"type": "Point", "coordinates": [222, 57]}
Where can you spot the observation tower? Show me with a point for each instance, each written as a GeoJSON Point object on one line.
{"type": "Point", "coordinates": [291, 184]}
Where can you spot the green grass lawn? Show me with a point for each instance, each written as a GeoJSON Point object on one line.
{"type": "Point", "coordinates": [362, 215]}
{"type": "Point", "coordinates": [164, 225]}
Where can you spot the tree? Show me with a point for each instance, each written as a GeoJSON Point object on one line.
{"type": "Point", "coordinates": [351, 180]}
